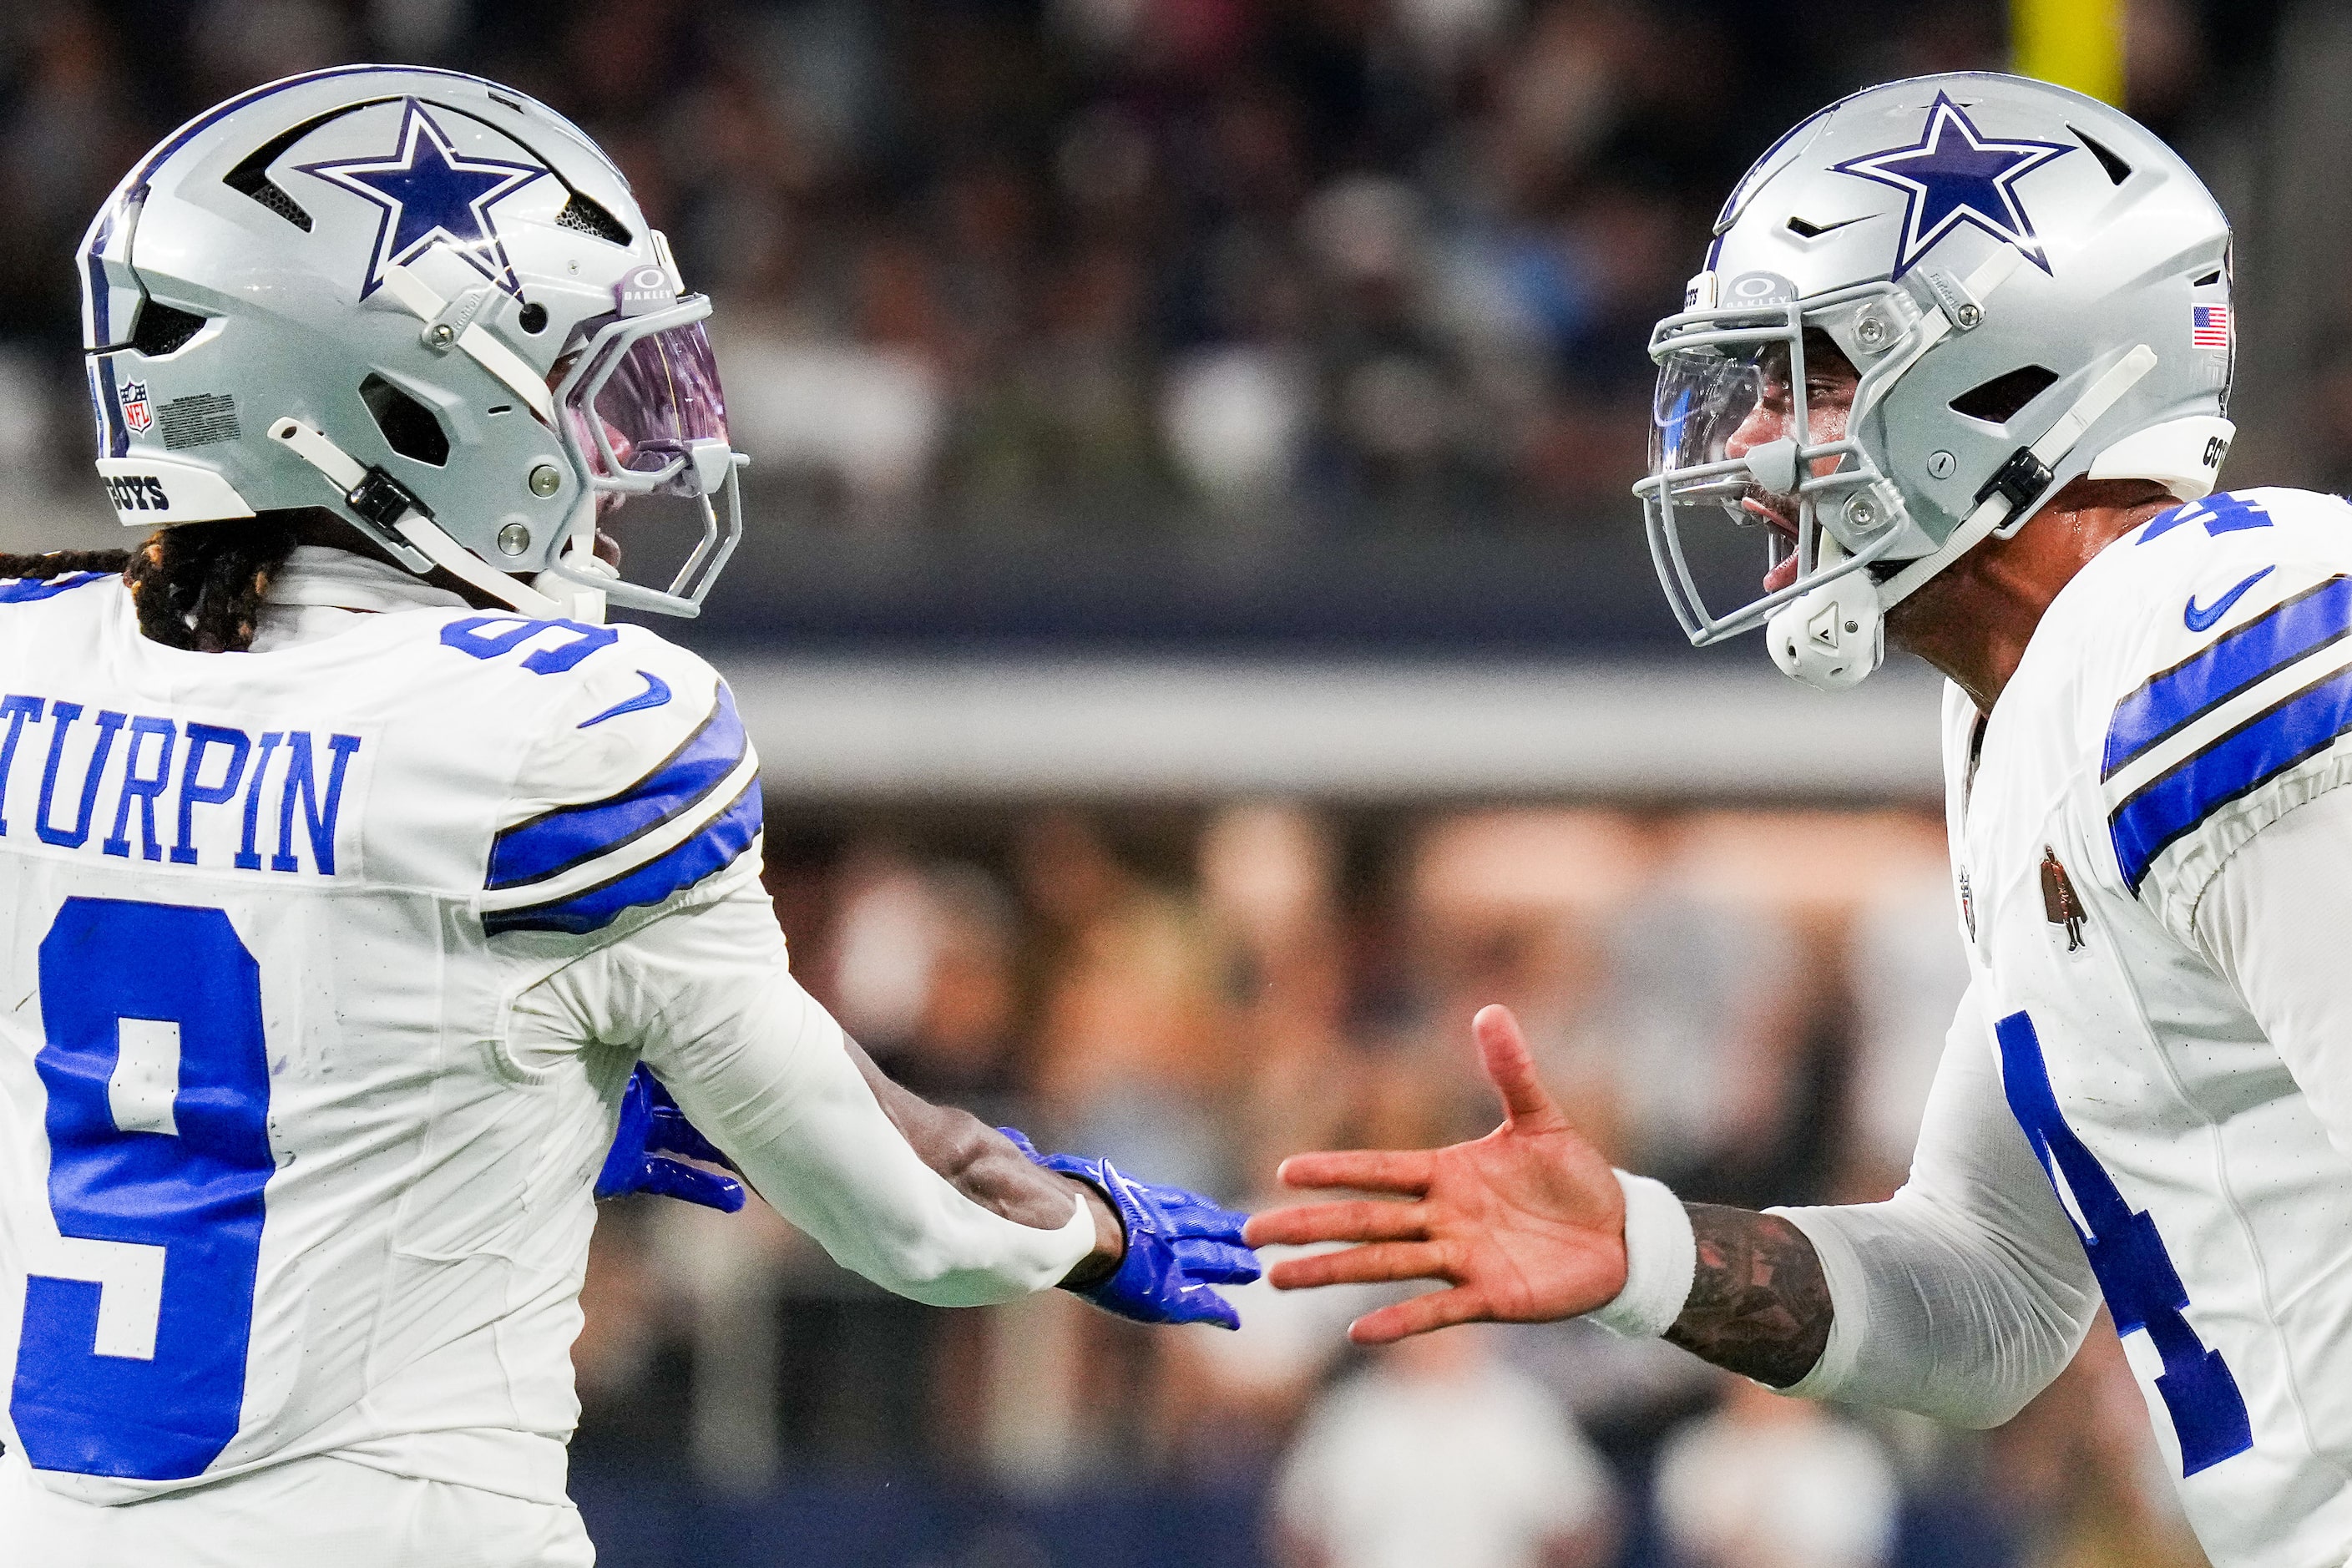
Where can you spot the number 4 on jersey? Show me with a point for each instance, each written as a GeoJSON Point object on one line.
{"type": "Point", "coordinates": [2135, 1273]}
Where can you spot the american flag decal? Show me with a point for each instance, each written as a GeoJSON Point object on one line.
{"type": "Point", "coordinates": [2209, 326]}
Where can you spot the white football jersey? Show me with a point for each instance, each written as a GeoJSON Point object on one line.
{"type": "Point", "coordinates": [2191, 686]}
{"type": "Point", "coordinates": [271, 1180]}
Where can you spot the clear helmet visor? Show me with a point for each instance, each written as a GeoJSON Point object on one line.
{"type": "Point", "coordinates": [646, 418]}
{"type": "Point", "coordinates": [642, 414]}
{"type": "Point", "coordinates": [1704, 397]}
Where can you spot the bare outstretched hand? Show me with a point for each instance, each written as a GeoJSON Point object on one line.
{"type": "Point", "coordinates": [1526, 1224]}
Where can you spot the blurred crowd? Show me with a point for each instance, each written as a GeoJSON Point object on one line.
{"type": "Point", "coordinates": [1304, 265]}
{"type": "Point", "coordinates": [1748, 1004]}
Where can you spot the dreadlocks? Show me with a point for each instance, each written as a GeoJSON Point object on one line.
{"type": "Point", "coordinates": [199, 585]}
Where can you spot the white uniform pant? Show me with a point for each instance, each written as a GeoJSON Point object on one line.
{"type": "Point", "coordinates": [321, 1513]}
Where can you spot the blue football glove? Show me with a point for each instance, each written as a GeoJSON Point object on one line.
{"type": "Point", "coordinates": [1178, 1245]}
{"type": "Point", "coordinates": [651, 1125]}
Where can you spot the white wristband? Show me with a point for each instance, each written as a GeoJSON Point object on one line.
{"type": "Point", "coordinates": [1661, 1261]}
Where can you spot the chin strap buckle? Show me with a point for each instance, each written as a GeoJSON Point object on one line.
{"type": "Point", "coordinates": [383, 500]}
{"type": "Point", "coordinates": [2022, 479]}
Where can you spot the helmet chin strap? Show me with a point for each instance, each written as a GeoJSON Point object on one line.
{"type": "Point", "coordinates": [1832, 637]}
{"type": "Point", "coordinates": [410, 526]}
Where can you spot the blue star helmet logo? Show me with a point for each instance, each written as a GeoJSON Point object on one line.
{"type": "Point", "coordinates": [426, 191]}
{"type": "Point", "coordinates": [1955, 175]}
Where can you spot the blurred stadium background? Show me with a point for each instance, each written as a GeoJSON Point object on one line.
{"type": "Point", "coordinates": [1201, 646]}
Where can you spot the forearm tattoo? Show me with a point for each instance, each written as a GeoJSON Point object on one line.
{"type": "Point", "coordinates": [1760, 1304]}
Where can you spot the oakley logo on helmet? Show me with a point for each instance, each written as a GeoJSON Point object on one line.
{"type": "Point", "coordinates": [428, 191]}
{"type": "Point", "coordinates": [645, 288]}
{"type": "Point", "coordinates": [1955, 175]}
{"type": "Point", "coordinates": [1758, 289]}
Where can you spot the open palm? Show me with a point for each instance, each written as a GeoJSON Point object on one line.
{"type": "Point", "coordinates": [1526, 1224]}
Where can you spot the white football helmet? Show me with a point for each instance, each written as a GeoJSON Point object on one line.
{"type": "Point", "coordinates": [423, 301]}
{"type": "Point", "coordinates": [2033, 287]}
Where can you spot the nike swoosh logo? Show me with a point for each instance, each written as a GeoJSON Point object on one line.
{"type": "Point", "coordinates": [656, 692]}
{"type": "Point", "coordinates": [2198, 620]}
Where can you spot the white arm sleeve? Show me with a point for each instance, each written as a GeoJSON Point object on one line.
{"type": "Point", "coordinates": [1964, 1294]}
{"type": "Point", "coordinates": [703, 996]}
{"type": "Point", "coordinates": [2272, 922]}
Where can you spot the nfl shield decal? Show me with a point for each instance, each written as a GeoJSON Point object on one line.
{"type": "Point", "coordinates": [135, 413]}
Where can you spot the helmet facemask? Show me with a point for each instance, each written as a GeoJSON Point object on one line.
{"type": "Point", "coordinates": [1715, 366]}
{"type": "Point", "coordinates": [641, 413]}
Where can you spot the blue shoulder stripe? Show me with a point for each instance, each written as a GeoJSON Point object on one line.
{"type": "Point", "coordinates": [2248, 756]}
{"type": "Point", "coordinates": [555, 841]}
{"type": "Point", "coordinates": [25, 590]}
{"type": "Point", "coordinates": [714, 848]}
{"type": "Point", "coordinates": [2303, 625]}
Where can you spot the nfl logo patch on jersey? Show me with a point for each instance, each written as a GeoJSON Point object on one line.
{"type": "Point", "coordinates": [134, 407]}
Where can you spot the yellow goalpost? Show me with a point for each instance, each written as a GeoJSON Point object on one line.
{"type": "Point", "coordinates": [2074, 43]}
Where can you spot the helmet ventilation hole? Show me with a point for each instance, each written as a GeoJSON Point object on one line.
{"type": "Point", "coordinates": [410, 428]}
{"type": "Point", "coordinates": [161, 330]}
{"type": "Point", "coordinates": [251, 175]}
{"type": "Point", "coordinates": [582, 216]}
{"type": "Point", "coordinates": [284, 205]}
{"type": "Point", "coordinates": [533, 318]}
{"type": "Point", "coordinates": [2118, 170]}
{"type": "Point", "coordinates": [1996, 402]}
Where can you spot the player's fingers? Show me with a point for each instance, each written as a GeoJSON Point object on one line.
{"type": "Point", "coordinates": [1439, 1309]}
{"type": "Point", "coordinates": [1383, 1262]}
{"type": "Point", "coordinates": [1403, 1170]}
{"type": "Point", "coordinates": [1359, 1219]}
{"type": "Point", "coordinates": [673, 1133]}
{"type": "Point", "coordinates": [1219, 1263]}
{"type": "Point", "coordinates": [1198, 1304]}
{"type": "Point", "coordinates": [672, 1179]}
{"type": "Point", "coordinates": [1216, 1225]}
{"type": "Point", "coordinates": [1511, 1067]}
{"type": "Point", "coordinates": [1189, 1214]}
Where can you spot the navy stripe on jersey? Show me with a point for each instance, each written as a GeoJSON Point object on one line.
{"type": "Point", "coordinates": [25, 590]}
{"type": "Point", "coordinates": [555, 841]}
{"type": "Point", "coordinates": [2250, 755]}
{"type": "Point", "coordinates": [723, 839]}
{"type": "Point", "coordinates": [2303, 625]}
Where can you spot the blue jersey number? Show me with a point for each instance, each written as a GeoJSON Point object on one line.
{"type": "Point", "coordinates": [132, 1360]}
{"type": "Point", "coordinates": [487, 636]}
{"type": "Point", "coordinates": [2135, 1273]}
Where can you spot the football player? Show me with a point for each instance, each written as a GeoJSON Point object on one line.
{"type": "Point", "coordinates": [1960, 350]}
{"type": "Point", "coordinates": [352, 867]}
